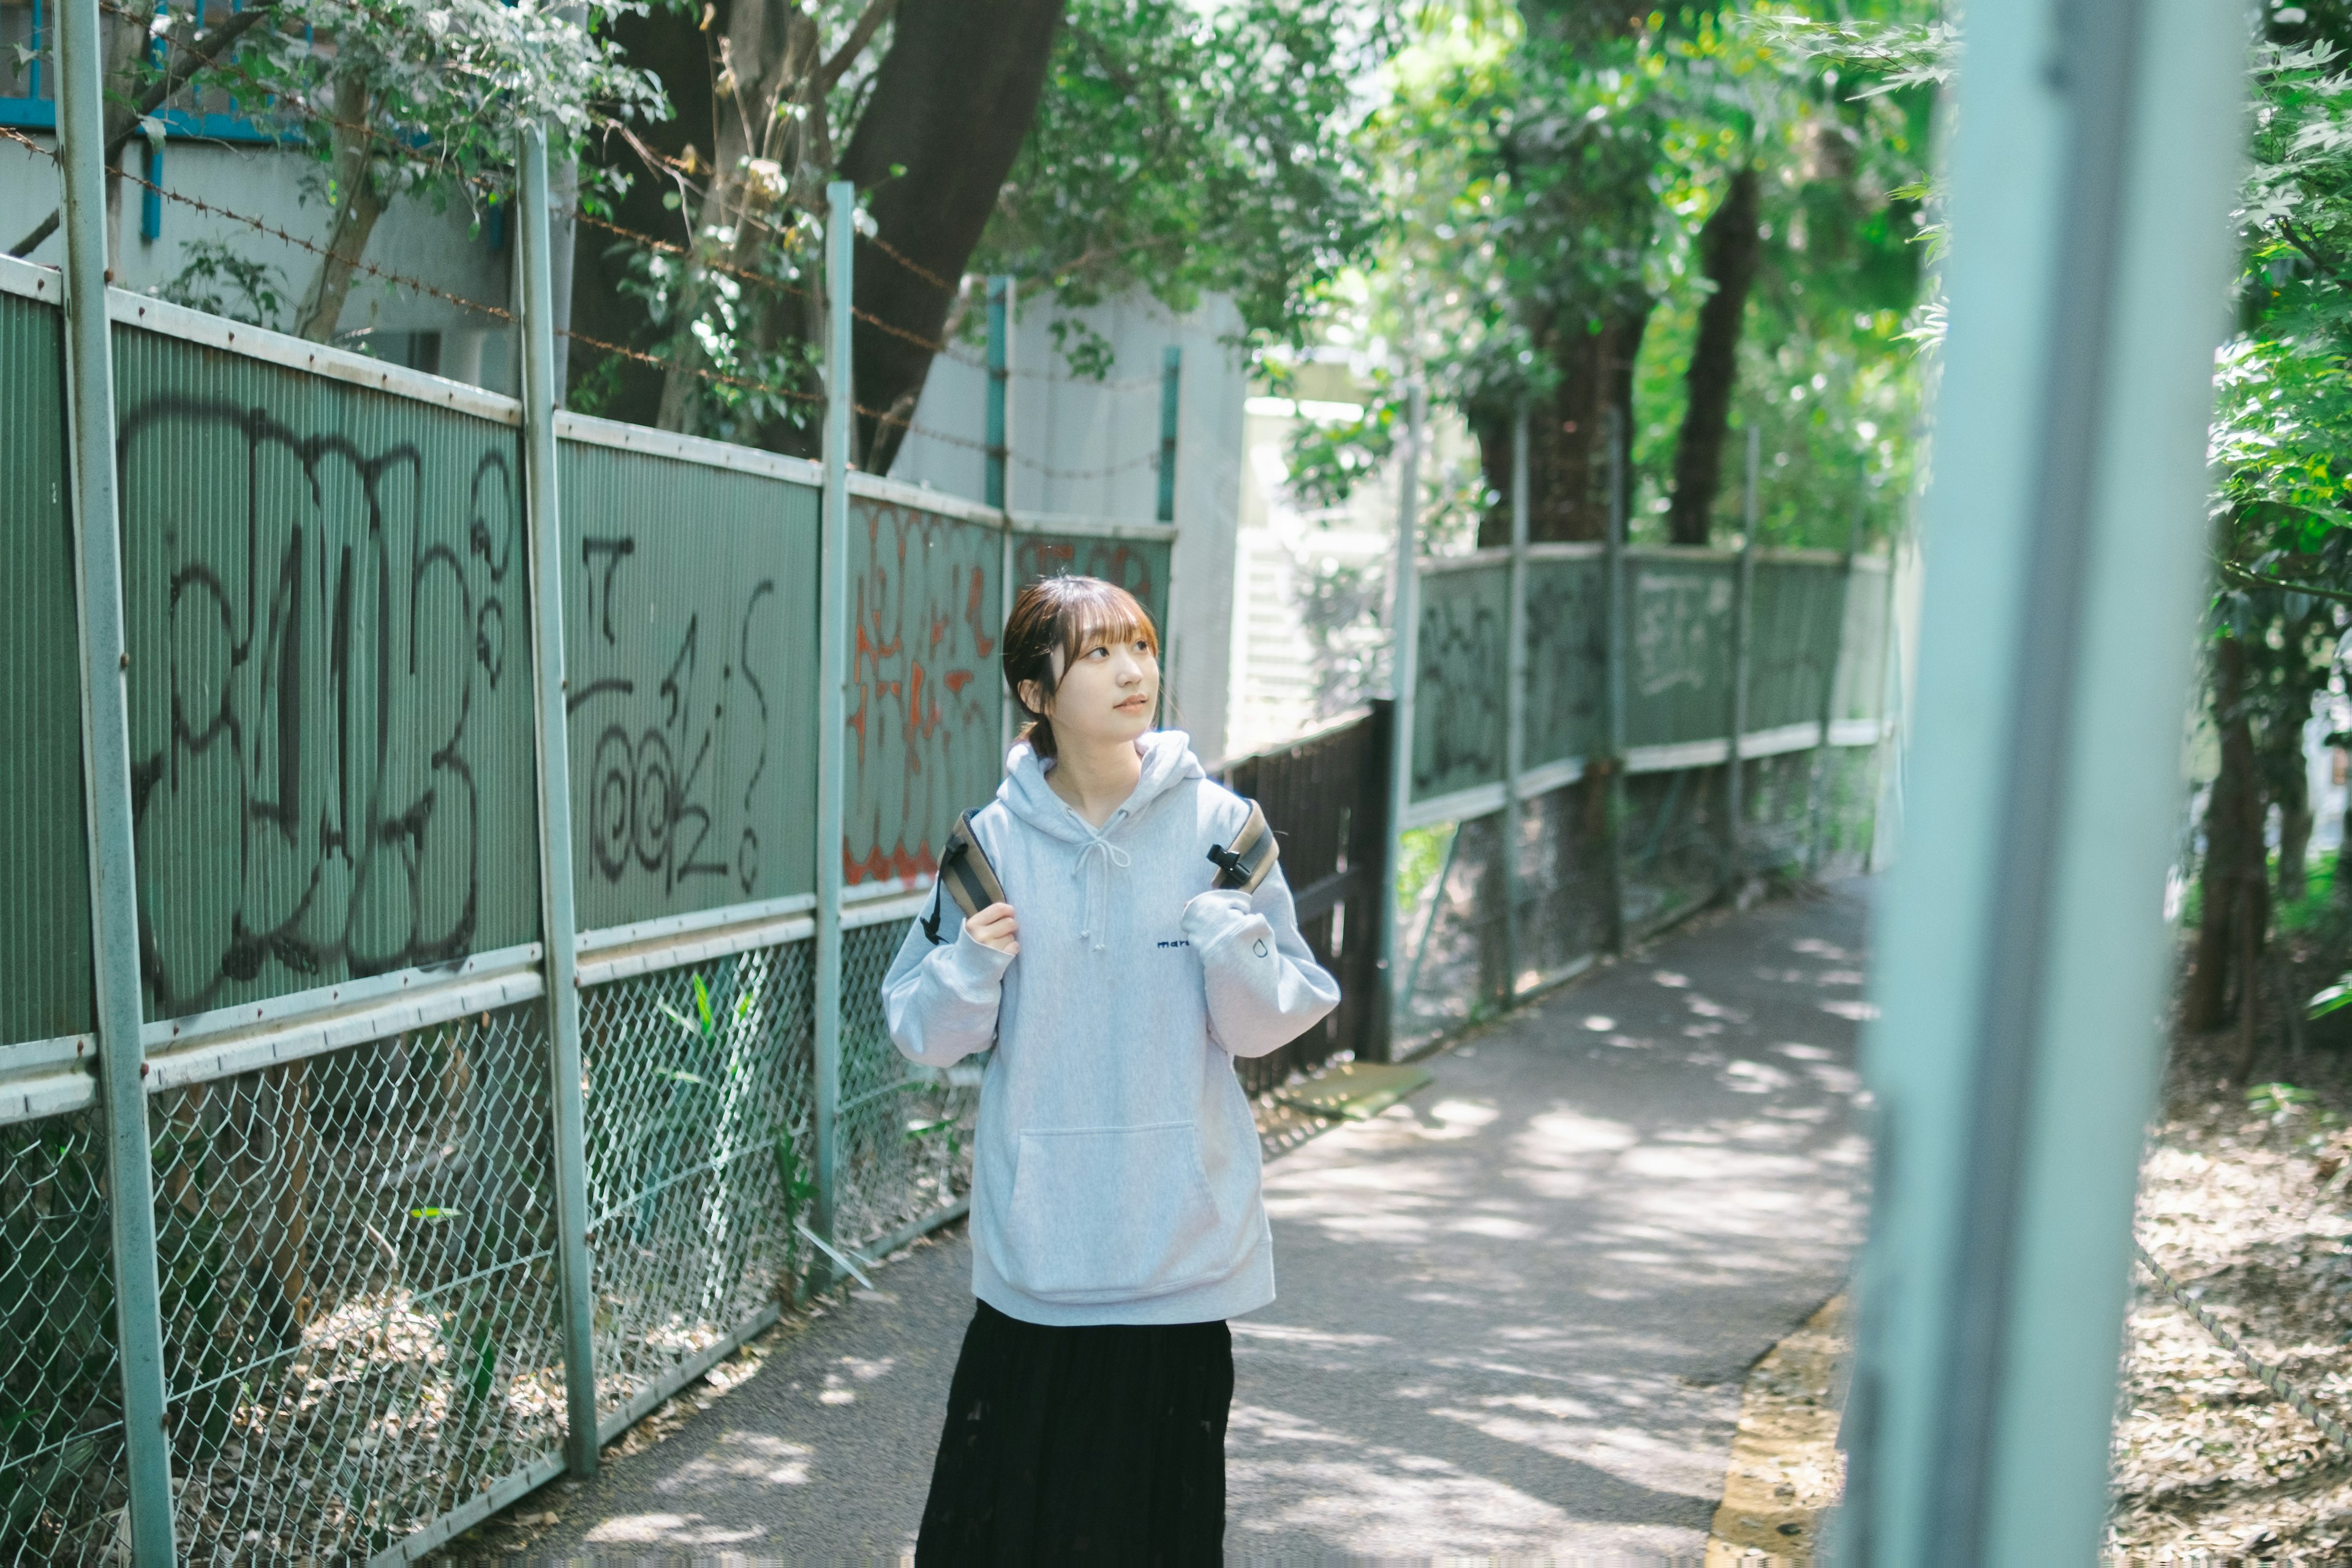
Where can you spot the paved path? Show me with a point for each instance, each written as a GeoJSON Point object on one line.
{"type": "Point", "coordinates": [1514, 1311]}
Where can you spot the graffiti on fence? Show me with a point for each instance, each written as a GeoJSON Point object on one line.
{"type": "Point", "coordinates": [1682, 627]}
{"type": "Point", "coordinates": [675, 762]}
{"type": "Point", "coordinates": [1680, 631]}
{"type": "Point", "coordinates": [1458, 716]}
{"type": "Point", "coordinates": [924, 709]}
{"type": "Point", "coordinates": [1567, 653]}
{"type": "Point", "coordinates": [319, 633]}
{"type": "Point", "coordinates": [1131, 565]}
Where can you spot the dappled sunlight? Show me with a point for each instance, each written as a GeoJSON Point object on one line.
{"type": "Point", "coordinates": [740, 1460]}
{"type": "Point", "coordinates": [1514, 1311]}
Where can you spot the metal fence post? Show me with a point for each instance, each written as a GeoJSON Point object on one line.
{"type": "Point", "coordinates": [2019, 954]}
{"type": "Point", "coordinates": [1612, 558]}
{"type": "Point", "coordinates": [559, 919]}
{"type": "Point", "coordinates": [1515, 707]}
{"type": "Point", "coordinates": [1171, 373]}
{"type": "Point", "coordinates": [1404, 657]}
{"type": "Point", "coordinates": [106, 782]}
{"type": "Point", "coordinates": [832, 642]}
{"type": "Point", "coordinates": [1824, 755]}
{"type": "Point", "coordinates": [1743, 589]}
{"type": "Point", "coordinates": [998, 480]}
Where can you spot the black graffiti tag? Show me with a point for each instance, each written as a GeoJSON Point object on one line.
{"type": "Point", "coordinates": [653, 774]}
{"type": "Point", "coordinates": [310, 648]}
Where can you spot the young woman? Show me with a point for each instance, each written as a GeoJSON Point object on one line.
{"type": "Point", "coordinates": [1116, 1217]}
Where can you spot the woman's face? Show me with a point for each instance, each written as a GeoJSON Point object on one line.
{"type": "Point", "coordinates": [1107, 694]}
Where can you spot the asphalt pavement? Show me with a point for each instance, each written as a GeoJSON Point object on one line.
{"type": "Point", "coordinates": [1514, 1315]}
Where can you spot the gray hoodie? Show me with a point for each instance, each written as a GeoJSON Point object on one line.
{"type": "Point", "coordinates": [1116, 1175]}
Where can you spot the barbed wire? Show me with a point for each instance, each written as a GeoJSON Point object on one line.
{"type": "Point", "coordinates": [1146, 459]}
{"type": "Point", "coordinates": [672, 248]}
{"type": "Point", "coordinates": [871, 320]}
{"type": "Point", "coordinates": [278, 232]}
{"type": "Point", "coordinates": [420, 286]}
{"type": "Point", "coordinates": [506, 192]}
{"type": "Point", "coordinates": [924, 431]}
{"type": "Point", "coordinates": [1106, 384]}
{"type": "Point", "coordinates": [642, 357]}
{"type": "Point", "coordinates": [910, 264]}
{"type": "Point", "coordinates": [2269, 1376]}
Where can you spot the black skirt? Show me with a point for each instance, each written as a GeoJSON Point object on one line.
{"type": "Point", "coordinates": [1082, 1445]}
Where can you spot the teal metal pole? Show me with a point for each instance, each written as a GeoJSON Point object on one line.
{"type": "Point", "coordinates": [1743, 593]}
{"type": "Point", "coordinates": [1824, 755]}
{"type": "Point", "coordinates": [559, 917]}
{"type": "Point", "coordinates": [2021, 950]}
{"type": "Point", "coordinates": [998, 481]}
{"type": "Point", "coordinates": [1171, 374]}
{"type": "Point", "coordinates": [1515, 710]}
{"type": "Point", "coordinates": [106, 782]}
{"type": "Point", "coordinates": [833, 657]}
{"type": "Point", "coordinates": [1612, 564]}
{"type": "Point", "coordinates": [1404, 658]}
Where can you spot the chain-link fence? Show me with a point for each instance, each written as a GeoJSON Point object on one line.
{"type": "Point", "coordinates": [360, 1306]}
{"type": "Point", "coordinates": [701, 1153]}
{"type": "Point", "coordinates": [61, 1482]}
{"type": "Point", "coordinates": [906, 1131]}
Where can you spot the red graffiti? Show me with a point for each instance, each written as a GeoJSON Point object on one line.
{"type": "Point", "coordinates": [928, 739]}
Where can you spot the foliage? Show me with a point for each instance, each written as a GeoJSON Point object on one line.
{"type": "Point", "coordinates": [214, 277]}
{"type": "Point", "coordinates": [1541, 182]}
{"type": "Point", "coordinates": [418, 98]}
{"type": "Point", "coordinates": [1183, 147]}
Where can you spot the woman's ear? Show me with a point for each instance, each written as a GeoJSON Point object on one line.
{"type": "Point", "coordinates": [1032, 697]}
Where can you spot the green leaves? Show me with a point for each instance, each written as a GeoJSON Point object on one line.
{"type": "Point", "coordinates": [443, 87]}
{"type": "Point", "coordinates": [1183, 147]}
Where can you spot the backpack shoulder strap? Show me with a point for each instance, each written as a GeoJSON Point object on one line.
{"type": "Point", "coordinates": [965, 876]}
{"type": "Point", "coordinates": [1251, 859]}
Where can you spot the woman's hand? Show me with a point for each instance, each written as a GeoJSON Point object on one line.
{"type": "Point", "coordinates": [995, 927]}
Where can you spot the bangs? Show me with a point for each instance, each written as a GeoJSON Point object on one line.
{"type": "Point", "coordinates": [1101, 614]}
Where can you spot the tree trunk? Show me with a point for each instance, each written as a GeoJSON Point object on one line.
{"type": "Point", "coordinates": [2295, 815]}
{"type": "Point", "coordinates": [1728, 249]}
{"type": "Point", "coordinates": [2232, 885]}
{"type": "Point", "coordinates": [1568, 437]}
{"type": "Point", "coordinates": [359, 203]}
{"type": "Point", "coordinates": [670, 44]}
{"type": "Point", "coordinates": [952, 103]}
{"type": "Point", "coordinates": [769, 47]}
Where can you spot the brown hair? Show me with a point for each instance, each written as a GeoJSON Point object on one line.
{"type": "Point", "coordinates": [1064, 616]}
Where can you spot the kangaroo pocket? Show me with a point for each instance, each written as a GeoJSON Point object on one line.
{"type": "Point", "coordinates": [1109, 1213]}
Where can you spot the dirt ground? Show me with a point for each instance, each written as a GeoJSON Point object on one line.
{"type": "Point", "coordinates": [2246, 1197]}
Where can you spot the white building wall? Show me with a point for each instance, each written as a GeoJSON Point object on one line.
{"type": "Point", "coordinates": [1088, 449]}
{"type": "Point", "coordinates": [413, 239]}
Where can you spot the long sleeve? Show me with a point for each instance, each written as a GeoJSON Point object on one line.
{"type": "Point", "coordinates": [940, 1000]}
{"type": "Point", "coordinates": [1264, 987]}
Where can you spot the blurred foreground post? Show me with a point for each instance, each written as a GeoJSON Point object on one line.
{"type": "Point", "coordinates": [2020, 953]}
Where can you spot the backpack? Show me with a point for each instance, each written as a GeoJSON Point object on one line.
{"type": "Point", "coordinates": [966, 875]}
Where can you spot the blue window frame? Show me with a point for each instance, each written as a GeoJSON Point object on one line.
{"type": "Point", "coordinates": [28, 94]}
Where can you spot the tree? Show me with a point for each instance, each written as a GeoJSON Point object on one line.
{"type": "Point", "coordinates": [1649, 231]}
{"type": "Point", "coordinates": [424, 97]}
{"type": "Point", "coordinates": [1112, 144]}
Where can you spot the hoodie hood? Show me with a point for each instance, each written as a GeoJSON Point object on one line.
{"type": "Point", "coordinates": [1168, 761]}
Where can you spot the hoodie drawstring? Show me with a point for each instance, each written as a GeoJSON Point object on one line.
{"type": "Point", "coordinates": [1099, 855]}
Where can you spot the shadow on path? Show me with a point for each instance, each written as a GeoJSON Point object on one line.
{"type": "Point", "coordinates": [1514, 1311]}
